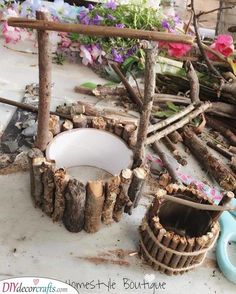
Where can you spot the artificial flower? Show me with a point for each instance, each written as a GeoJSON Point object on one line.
{"type": "Point", "coordinates": [224, 44]}
{"type": "Point", "coordinates": [117, 56]}
{"type": "Point", "coordinates": [85, 54]}
{"type": "Point", "coordinates": [178, 49]}
{"type": "Point", "coordinates": [97, 20]}
{"type": "Point", "coordinates": [97, 53]}
{"type": "Point", "coordinates": [11, 34]}
{"type": "Point", "coordinates": [111, 5]}
{"type": "Point", "coordinates": [120, 25]}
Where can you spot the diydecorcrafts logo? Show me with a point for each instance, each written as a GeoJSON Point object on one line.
{"type": "Point", "coordinates": [35, 285]}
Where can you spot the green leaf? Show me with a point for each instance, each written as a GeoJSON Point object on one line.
{"type": "Point", "coordinates": [173, 107]}
{"type": "Point", "coordinates": [164, 114]}
{"type": "Point", "coordinates": [74, 37]}
{"type": "Point", "coordinates": [110, 84]}
{"type": "Point", "coordinates": [232, 64]}
{"type": "Point", "coordinates": [89, 85]}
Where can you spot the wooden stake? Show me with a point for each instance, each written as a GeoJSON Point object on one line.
{"type": "Point", "coordinates": [110, 126]}
{"type": "Point", "coordinates": [38, 185]}
{"type": "Point", "coordinates": [79, 121]}
{"type": "Point", "coordinates": [61, 180]}
{"type": "Point", "coordinates": [75, 197]}
{"type": "Point", "coordinates": [48, 169]}
{"type": "Point", "coordinates": [67, 125]}
{"type": "Point", "coordinates": [44, 59]}
{"type": "Point", "coordinates": [136, 188]}
{"type": "Point", "coordinates": [150, 82]}
{"type": "Point", "coordinates": [94, 206]}
{"type": "Point", "coordinates": [122, 198]}
{"type": "Point", "coordinates": [33, 153]}
{"type": "Point", "coordinates": [181, 248]}
{"type": "Point", "coordinates": [167, 238]}
{"type": "Point", "coordinates": [128, 132]}
{"type": "Point", "coordinates": [111, 192]}
{"type": "Point", "coordinates": [173, 245]}
{"type": "Point", "coordinates": [119, 130]}
{"type": "Point", "coordinates": [185, 260]}
{"type": "Point", "coordinates": [54, 124]}
{"type": "Point", "coordinates": [98, 123]}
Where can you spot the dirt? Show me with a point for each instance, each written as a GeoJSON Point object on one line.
{"type": "Point", "coordinates": [210, 263]}
{"type": "Point", "coordinates": [116, 257]}
{"type": "Point", "coordinates": [101, 260]}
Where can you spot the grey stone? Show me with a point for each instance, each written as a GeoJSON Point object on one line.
{"type": "Point", "coordinates": [31, 131]}
{"type": "Point", "coordinates": [5, 160]}
{"type": "Point", "coordinates": [9, 146]}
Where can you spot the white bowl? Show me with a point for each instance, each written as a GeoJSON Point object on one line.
{"type": "Point", "coordinates": [90, 147]}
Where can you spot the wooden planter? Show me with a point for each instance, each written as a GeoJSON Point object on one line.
{"type": "Point", "coordinates": [176, 238]}
{"type": "Point", "coordinates": [82, 206]}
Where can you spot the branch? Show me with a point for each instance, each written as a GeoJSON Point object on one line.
{"type": "Point", "coordinates": [213, 10]}
{"type": "Point", "coordinates": [179, 124]}
{"type": "Point", "coordinates": [134, 97]}
{"type": "Point", "coordinates": [162, 154]}
{"type": "Point", "coordinates": [169, 120]}
{"type": "Point", "coordinates": [150, 82]}
{"type": "Point", "coordinates": [199, 42]}
{"type": "Point", "coordinates": [194, 83]}
{"type": "Point", "coordinates": [102, 31]}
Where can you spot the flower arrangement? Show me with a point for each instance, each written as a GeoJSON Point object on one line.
{"type": "Point", "coordinates": [91, 49]}
{"type": "Point", "coordinates": [95, 50]}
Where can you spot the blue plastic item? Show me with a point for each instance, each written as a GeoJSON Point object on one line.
{"type": "Point", "coordinates": [228, 233]}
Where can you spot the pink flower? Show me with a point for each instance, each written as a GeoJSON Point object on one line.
{"type": "Point", "coordinates": [11, 34]}
{"type": "Point", "coordinates": [175, 49]}
{"type": "Point", "coordinates": [65, 41]}
{"type": "Point", "coordinates": [97, 53]}
{"type": "Point", "coordinates": [178, 49]}
{"type": "Point", "coordinates": [224, 44]}
{"type": "Point", "coordinates": [86, 56]}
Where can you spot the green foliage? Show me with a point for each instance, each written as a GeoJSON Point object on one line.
{"type": "Point", "coordinates": [59, 58]}
{"type": "Point", "coordinates": [89, 85]}
{"type": "Point", "coordinates": [169, 110]}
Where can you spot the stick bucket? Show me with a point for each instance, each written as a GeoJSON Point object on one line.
{"type": "Point", "coordinates": [176, 238]}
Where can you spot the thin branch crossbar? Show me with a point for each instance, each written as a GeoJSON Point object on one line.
{"type": "Point", "coordinates": [94, 30]}
{"type": "Point", "coordinates": [179, 124]}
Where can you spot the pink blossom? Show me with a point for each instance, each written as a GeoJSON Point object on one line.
{"type": "Point", "coordinates": [175, 49]}
{"type": "Point", "coordinates": [65, 41]}
{"type": "Point", "coordinates": [11, 34]}
{"type": "Point", "coordinates": [178, 49]}
{"type": "Point", "coordinates": [224, 44]}
{"type": "Point", "coordinates": [97, 53]}
{"type": "Point", "coordinates": [86, 56]}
